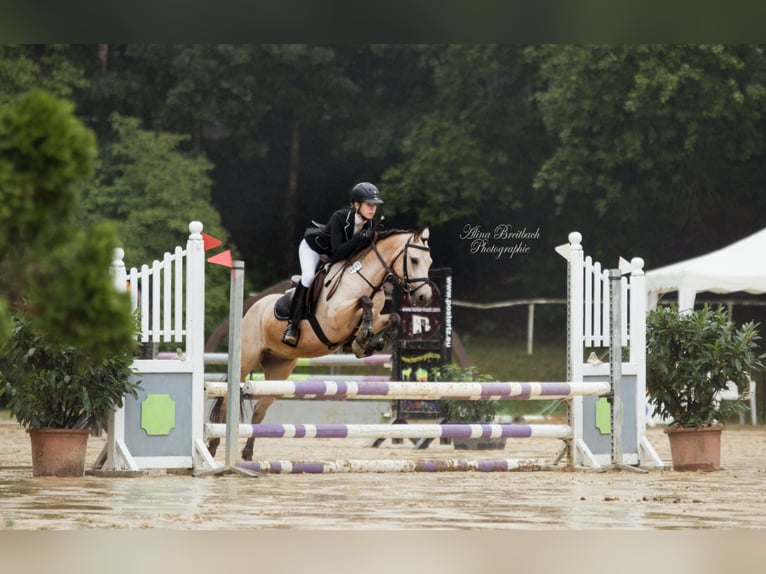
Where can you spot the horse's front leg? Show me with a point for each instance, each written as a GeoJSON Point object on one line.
{"type": "Point", "coordinates": [386, 329]}
{"type": "Point", "coordinates": [360, 344]}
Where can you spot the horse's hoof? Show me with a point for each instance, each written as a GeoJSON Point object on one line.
{"type": "Point", "coordinates": [361, 351]}
{"type": "Point", "coordinates": [357, 349]}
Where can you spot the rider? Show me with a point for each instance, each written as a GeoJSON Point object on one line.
{"type": "Point", "coordinates": [349, 229]}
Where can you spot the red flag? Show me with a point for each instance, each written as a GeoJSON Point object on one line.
{"type": "Point", "coordinates": [210, 241]}
{"type": "Point", "coordinates": [223, 258]}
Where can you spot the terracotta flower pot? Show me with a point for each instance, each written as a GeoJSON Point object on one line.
{"type": "Point", "coordinates": [695, 448]}
{"type": "Point", "coordinates": [58, 452]}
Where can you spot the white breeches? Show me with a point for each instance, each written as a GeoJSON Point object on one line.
{"type": "Point", "coordinates": [309, 260]}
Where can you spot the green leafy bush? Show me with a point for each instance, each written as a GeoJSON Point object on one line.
{"type": "Point", "coordinates": [53, 386]}
{"type": "Point", "coordinates": [466, 411]}
{"type": "Point", "coordinates": [691, 356]}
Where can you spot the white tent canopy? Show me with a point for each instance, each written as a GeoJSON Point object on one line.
{"type": "Point", "coordinates": [740, 266]}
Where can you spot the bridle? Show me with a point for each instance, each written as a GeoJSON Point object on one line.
{"type": "Point", "coordinates": [405, 282]}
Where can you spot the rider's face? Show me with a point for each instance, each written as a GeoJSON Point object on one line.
{"type": "Point", "coordinates": [367, 210]}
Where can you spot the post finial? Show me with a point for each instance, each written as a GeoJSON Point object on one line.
{"type": "Point", "coordinates": [575, 238]}
{"type": "Point", "coordinates": [119, 255]}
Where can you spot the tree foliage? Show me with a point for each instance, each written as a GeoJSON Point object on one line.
{"type": "Point", "coordinates": [661, 135]}
{"type": "Point", "coordinates": [44, 152]}
{"type": "Point", "coordinates": [28, 67]}
{"type": "Point", "coordinates": [53, 269]}
{"type": "Point", "coordinates": [469, 152]}
{"type": "Point", "coordinates": [151, 189]}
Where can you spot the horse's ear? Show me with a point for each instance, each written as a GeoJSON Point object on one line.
{"type": "Point", "coordinates": [424, 234]}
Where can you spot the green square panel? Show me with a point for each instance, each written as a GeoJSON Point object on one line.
{"type": "Point", "coordinates": [158, 414]}
{"type": "Point", "coordinates": [604, 416]}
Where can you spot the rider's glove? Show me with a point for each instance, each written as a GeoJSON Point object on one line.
{"type": "Point", "coordinates": [366, 235]}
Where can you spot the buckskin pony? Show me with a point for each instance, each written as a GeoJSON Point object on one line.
{"type": "Point", "coordinates": [344, 310]}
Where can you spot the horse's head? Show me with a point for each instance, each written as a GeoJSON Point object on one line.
{"type": "Point", "coordinates": [413, 267]}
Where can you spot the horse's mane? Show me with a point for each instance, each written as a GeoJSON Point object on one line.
{"type": "Point", "coordinates": [382, 234]}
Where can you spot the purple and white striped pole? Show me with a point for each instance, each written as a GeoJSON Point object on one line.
{"type": "Point", "coordinates": [374, 431]}
{"type": "Point", "coordinates": [424, 465]}
{"type": "Point", "coordinates": [339, 390]}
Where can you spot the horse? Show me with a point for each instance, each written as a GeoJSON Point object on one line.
{"type": "Point", "coordinates": [345, 310]}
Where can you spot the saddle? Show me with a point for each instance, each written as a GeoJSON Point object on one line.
{"type": "Point", "coordinates": [282, 306]}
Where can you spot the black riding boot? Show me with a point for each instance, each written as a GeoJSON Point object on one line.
{"type": "Point", "coordinates": [293, 332]}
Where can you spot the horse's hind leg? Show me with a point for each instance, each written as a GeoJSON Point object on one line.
{"type": "Point", "coordinates": [259, 412]}
{"type": "Point", "coordinates": [217, 415]}
{"type": "Point", "coordinates": [273, 370]}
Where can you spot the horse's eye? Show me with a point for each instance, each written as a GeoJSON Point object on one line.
{"type": "Point", "coordinates": [414, 260]}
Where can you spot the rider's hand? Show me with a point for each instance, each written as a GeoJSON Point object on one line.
{"type": "Point", "coordinates": [366, 235]}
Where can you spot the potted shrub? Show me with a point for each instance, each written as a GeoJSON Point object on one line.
{"type": "Point", "coordinates": [455, 411]}
{"type": "Point", "coordinates": [59, 393]}
{"type": "Point", "coordinates": [691, 357]}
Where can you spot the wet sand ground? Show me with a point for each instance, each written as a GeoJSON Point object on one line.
{"type": "Point", "coordinates": [732, 498]}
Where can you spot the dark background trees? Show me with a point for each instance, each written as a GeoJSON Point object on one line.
{"type": "Point", "coordinates": [654, 151]}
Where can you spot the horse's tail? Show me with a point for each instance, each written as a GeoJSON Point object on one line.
{"type": "Point", "coordinates": [215, 411]}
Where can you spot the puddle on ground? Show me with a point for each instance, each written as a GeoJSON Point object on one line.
{"type": "Point", "coordinates": [734, 497]}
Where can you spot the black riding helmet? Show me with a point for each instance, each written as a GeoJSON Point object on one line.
{"type": "Point", "coordinates": [365, 193]}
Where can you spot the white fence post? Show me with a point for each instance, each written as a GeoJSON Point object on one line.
{"type": "Point", "coordinates": [195, 335]}
{"type": "Point", "coordinates": [578, 454]}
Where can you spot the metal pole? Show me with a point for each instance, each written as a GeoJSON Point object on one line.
{"type": "Point", "coordinates": [615, 362]}
{"type": "Point", "coordinates": [236, 295]}
{"type": "Point", "coordinates": [615, 372]}
{"type": "Point", "coordinates": [530, 327]}
{"type": "Point", "coordinates": [235, 361]}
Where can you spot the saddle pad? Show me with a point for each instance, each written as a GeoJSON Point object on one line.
{"type": "Point", "coordinates": [282, 306]}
